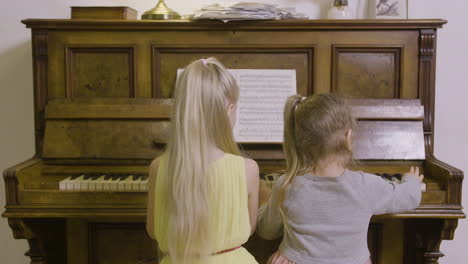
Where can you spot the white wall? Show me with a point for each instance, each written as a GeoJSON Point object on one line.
{"type": "Point", "coordinates": [16, 105]}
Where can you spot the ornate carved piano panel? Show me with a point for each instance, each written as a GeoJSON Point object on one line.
{"type": "Point", "coordinates": [102, 103]}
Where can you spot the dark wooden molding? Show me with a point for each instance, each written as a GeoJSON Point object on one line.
{"type": "Point", "coordinates": [11, 186]}
{"type": "Point", "coordinates": [11, 181]}
{"type": "Point", "coordinates": [427, 65]}
{"type": "Point", "coordinates": [21, 230]}
{"type": "Point", "coordinates": [427, 43]}
{"type": "Point", "coordinates": [40, 64]}
{"type": "Point", "coordinates": [329, 24]}
{"type": "Point", "coordinates": [158, 50]}
{"type": "Point", "coordinates": [72, 50]}
{"type": "Point", "coordinates": [449, 174]}
{"type": "Point", "coordinates": [423, 238]}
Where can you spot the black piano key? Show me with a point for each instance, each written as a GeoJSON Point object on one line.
{"type": "Point", "coordinates": [387, 176]}
{"type": "Point", "coordinates": [145, 176]}
{"type": "Point", "coordinates": [398, 176]}
{"type": "Point", "coordinates": [87, 176]}
{"type": "Point", "coordinates": [75, 176]}
{"type": "Point", "coordinates": [124, 177]}
{"type": "Point", "coordinates": [107, 177]}
{"type": "Point", "coordinates": [136, 177]}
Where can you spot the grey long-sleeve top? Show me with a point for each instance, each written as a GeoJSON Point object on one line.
{"type": "Point", "coordinates": [327, 218]}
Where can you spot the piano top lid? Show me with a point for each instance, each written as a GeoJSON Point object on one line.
{"type": "Point", "coordinates": [315, 24]}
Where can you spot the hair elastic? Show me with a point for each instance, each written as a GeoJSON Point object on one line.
{"type": "Point", "coordinates": [298, 102]}
{"type": "Point", "coordinates": [204, 61]}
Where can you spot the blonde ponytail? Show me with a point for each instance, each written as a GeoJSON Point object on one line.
{"type": "Point", "coordinates": [199, 121]}
{"type": "Point", "coordinates": [293, 163]}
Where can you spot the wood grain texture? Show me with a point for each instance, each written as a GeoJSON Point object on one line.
{"type": "Point", "coordinates": [166, 61]}
{"type": "Point", "coordinates": [367, 72]}
{"type": "Point", "coordinates": [100, 72]}
{"type": "Point", "coordinates": [101, 250]}
{"type": "Point", "coordinates": [116, 139]}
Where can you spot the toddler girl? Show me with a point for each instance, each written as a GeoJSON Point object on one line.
{"type": "Point", "coordinates": [323, 208]}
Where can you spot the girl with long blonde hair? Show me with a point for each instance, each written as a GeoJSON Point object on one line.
{"type": "Point", "coordinates": [202, 195]}
{"type": "Point", "coordinates": [323, 208]}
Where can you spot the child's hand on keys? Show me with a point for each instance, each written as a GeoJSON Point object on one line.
{"type": "Point", "coordinates": [414, 171]}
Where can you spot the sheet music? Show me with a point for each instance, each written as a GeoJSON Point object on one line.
{"type": "Point", "coordinates": [263, 94]}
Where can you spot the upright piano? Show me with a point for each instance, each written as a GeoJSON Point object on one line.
{"type": "Point", "coordinates": [102, 98]}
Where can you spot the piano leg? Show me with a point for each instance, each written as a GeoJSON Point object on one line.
{"type": "Point", "coordinates": [424, 237]}
{"type": "Point", "coordinates": [22, 231]}
{"type": "Point", "coordinates": [46, 239]}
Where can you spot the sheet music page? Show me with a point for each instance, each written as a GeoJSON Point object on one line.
{"type": "Point", "coordinates": [263, 94]}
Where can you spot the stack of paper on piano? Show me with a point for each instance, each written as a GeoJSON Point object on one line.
{"type": "Point", "coordinates": [246, 11]}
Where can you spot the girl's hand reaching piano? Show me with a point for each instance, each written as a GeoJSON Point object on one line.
{"type": "Point", "coordinates": [414, 171]}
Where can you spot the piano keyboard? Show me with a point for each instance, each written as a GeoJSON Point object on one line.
{"type": "Point", "coordinates": [271, 178]}
{"type": "Point", "coordinates": [105, 183]}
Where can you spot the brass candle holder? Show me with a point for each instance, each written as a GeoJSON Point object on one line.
{"type": "Point", "coordinates": [160, 12]}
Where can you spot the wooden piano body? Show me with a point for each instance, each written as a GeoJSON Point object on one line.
{"type": "Point", "coordinates": [102, 94]}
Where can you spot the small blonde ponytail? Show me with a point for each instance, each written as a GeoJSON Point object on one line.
{"type": "Point", "coordinates": [293, 162]}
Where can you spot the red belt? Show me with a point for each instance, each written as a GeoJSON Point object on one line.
{"type": "Point", "coordinates": [226, 250]}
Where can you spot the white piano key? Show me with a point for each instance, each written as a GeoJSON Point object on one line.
{"type": "Point", "coordinates": [99, 183]}
{"type": "Point", "coordinates": [85, 184]}
{"type": "Point", "coordinates": [106, 187]}
{"type": "Point", "coordinates": [136, 185]}
{"type": "Point", "coordinates": [70, 184]}
{"type": "Point", "coordinates": [125, 185]}
{"type": "Point", "coordinates": [91, 185]}
{"type": "Point", "coordinates": [144, 185]}
{"type": "Point", "coordinates": [77, 183]}
{"type": "Point", "coordinates": [63, 184]}
{"type": "Point", "coordinates": [113, 184]}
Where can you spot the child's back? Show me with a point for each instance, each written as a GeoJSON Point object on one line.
{"type": "Point", "coordinates": [325, 207]}
{"type": "Point", "coordinates": [229, 216]}
{"type": "Point", "coordinates": [203, 196]}
{"type": "Point", "coordinates": [328, 217]}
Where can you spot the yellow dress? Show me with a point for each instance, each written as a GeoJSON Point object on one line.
{"type": "Point", "coordinates": [229, 210]}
